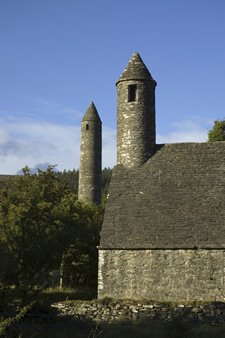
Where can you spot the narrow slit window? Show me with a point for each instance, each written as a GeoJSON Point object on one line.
{"type": "Point", "coordinates": [132, 93]}
{"type": "Point", "coordinates": [87, 126]}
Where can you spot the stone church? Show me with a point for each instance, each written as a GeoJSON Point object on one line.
{"type": "Point", "coordinates": [163, 235]}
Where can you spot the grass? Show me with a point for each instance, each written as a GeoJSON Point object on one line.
{"type": "Point", "coordinates": [42, 321]}
{"type": "Point", "coordinates": [55, 295]}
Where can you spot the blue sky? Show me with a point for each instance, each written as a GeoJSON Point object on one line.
{"type": "Point", "coordinates": [59, 55]}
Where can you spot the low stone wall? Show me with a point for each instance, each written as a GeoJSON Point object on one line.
{"type": "Point", "coordinates": [102, 310]}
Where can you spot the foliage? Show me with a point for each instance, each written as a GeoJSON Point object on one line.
{"type": "Point", "coordinates": [6, 323]}
{"type": "Point", "coordinates": [69, 178]}
{"type": "Point", "coordinates": [106, 178]}
{"type": "Point", "coordinates": [217, 133]}
{"type": "Point", "coordinates": [2, 184]}
{"type": "Point", "coordinates": [31, 227]}
{"type": "Point", "coordinates": [79, 265]}
{"type": "Point", "coordinates": [44, 227]}
{"type": "Point", "coordinates": [56, 294]}
{"type": "Point", "coordinates": [42, 221]}
{"type": "Point", "coordinates": [3, 180]}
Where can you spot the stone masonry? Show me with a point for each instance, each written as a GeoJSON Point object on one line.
{"type": "Point", "coordinates": [113, 310]}
{"type": "Point", "coordinates": [90, 156]}
{"type": "Point", "coordinates": [162, 274]}
{"type": "Point", "coordinates": [135, 114]}
{"type": "Point", "coordinates": [163, 234]}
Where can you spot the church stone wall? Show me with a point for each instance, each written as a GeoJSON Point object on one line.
{"type": "Point", "coordinates": [172, 275]}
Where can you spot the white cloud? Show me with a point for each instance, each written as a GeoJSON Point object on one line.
{"type": "Point", "coordinates": [28, 141]}
{"type": "Point", "coordinates": [4, 136]}
{"type": "Point", "coordinates": [24, 141]}
{"type": "Point", "coordinates": [108, 147]}
{"type": "Point", "coordinates": [191, 129]}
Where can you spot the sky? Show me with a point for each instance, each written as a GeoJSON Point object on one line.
{"type": "Point", "coordinates": [56, 56]}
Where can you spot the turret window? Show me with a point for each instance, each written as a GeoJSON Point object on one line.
{"type": "Point", "coordinates": [132, 93]}
{"type": "Point", "coordinates": [87, 126]}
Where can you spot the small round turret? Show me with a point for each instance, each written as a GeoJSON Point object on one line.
{"type": "Point", "coordinates": [135, 114]}
{"type": "Point", "coordinates": [90, 156]}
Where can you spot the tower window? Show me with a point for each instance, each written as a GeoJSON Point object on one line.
{"type": "Point", "coordinates": [132, 93]}
{"type": "Point", "coordinates": [87, 126]}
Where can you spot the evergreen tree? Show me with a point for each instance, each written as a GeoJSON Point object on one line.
{"type": "Point", "coordinates": [70, 178]}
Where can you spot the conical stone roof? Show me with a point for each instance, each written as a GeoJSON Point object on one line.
{"type": "Point", "coordinates": [136, 70]}
{"type": "Point", "coordinates": [91, 114]}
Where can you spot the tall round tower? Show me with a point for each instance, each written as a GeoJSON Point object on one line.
{"type": "Point", "coordinates": [135, 114]}
{"type": "Point", "coordinates": [90, 156]}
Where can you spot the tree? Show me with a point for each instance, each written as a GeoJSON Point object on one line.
{"type": "Point", "coordinates": [106, 178]}
{"type": "Point", "coordinates": [31, 229]}
{"type": "Point", "coordinates": [217, 133]}
{"type": "Point", "coordinates": [80, 258]}
{"type": "Point", "coordinates": [70, 178]}
{"type": "Point", "coordinates": [41, 221]}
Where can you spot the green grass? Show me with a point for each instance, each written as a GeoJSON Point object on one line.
{"type": "Point", "coordinates": [43, 321]}
{"type": "Point", "coordinates": [55, 295]}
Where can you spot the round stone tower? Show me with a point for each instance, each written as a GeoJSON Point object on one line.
{"type": "Point", "coordinates": [90, 156]}
{"type": "Point", "coordinates": [135, 114]}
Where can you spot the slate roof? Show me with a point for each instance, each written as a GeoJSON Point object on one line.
{"type": "Point", "coordinates": [91, 114]}
{"type": "Point", "coordinates": [175, 200]}
{"type": "Point", "coordinates": [136, 70]}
